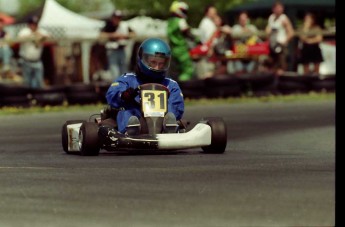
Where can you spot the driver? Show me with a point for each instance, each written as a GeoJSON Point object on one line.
{"type": "Point", "coordinates": [153, 61]}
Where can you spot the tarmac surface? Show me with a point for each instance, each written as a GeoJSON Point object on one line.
{"type": "Point", "coordinates": [278, 170]}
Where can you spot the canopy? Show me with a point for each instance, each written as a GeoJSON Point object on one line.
{"type": "Point", "coordinates": [74, 25]}
{"type": "Point", "coordinates": [69, 24]}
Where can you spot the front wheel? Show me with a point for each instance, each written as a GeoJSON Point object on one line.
{"type": "Point", "coordinates": [219, 136]}
{"type": "Point", "coordinates": [64, 134]}
{"type": "Point", "coordinates": [88, 139]}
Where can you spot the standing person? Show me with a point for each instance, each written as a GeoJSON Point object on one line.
{"type": "Point", "coordinates": [310, 52]}
{"type": "Point", "coordinates": [6, 52]}
{"type": "Point", "coordinates": [280, 31]}
{"type": "Point", "coordinates": [220, 38]}
{"type": "Point", "coordinates": [153, 62]}
{"type": "Point", "coordinates": [207, 27]}
{"type": "Point", "coordinates": [207, 31]}
{"type": "Point", "coordinates": [30, 52]}
{"type": "Point", "coordinates": [219, 43]}
{"type": "Point", "coordinates": [178, 33]}
{"type": "Point", "coordinates": [244, 32]}
{"type": "Point", "coordinates": [117, 35]}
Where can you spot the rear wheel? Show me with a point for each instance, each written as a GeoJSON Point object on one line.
{"type": "Point", "coordinates": [64, 134]}
{"type": "Point", "coordinates": [88, 139]}
{"type": "Point", "coordinates": [218, 137]}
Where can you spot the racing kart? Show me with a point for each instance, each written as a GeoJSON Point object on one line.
{"type": "Point", "coordinates": [81, 136]}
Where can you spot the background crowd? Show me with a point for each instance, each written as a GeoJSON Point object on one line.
{"type": "Point", "coordinates": [214, 48]}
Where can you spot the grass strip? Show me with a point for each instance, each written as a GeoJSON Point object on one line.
{"type": "Point", "coordinates": [312, 96]}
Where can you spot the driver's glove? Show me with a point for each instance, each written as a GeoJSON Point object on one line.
{"type": "Point", "coordinates": [129, 95]}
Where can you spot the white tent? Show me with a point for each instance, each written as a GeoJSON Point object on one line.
{"type": "Point", "coordinates": [74, 25]}
{"type": "Point", "coordinates": [144, 26]}
{"type": "Point", "coordinates": [71, 25]}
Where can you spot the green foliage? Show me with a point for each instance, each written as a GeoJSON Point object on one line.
{"type": "Point", "coordinates": [28, 5]}
{"type": "Point", "coordinates": [260, 23]}
{"type": "Point", "coordinates": [81, 6]}
{"type": "Point", "coordinates": [160, 9]}
{"type": "Point", "coordinates": [153, 8]}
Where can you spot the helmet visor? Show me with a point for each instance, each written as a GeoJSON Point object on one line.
{"type": "Point", "coordinates": [156, 62]}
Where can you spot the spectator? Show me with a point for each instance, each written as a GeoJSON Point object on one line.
{"type": "Point", "coordinates": [310, 52]}
{"type": "Point", "coordinates": [220, 43]}
{"type": "Point", "coordinates": [221, 39]}
{"type": "Point", "coordinates": [153, 63]}
{"type": "Point", "coordinates": [117, 35]}
{"type": "Point", "coordinates": [30, 52]}
{"type": "Point", "coordinates": [280, 31]}
{"type": "Point", "coordinates": [179, 34]}
{"type": "Point", "coordinates": [6, 52]}
{"type": "Point", "coordinates": [244, 32]}
{"type": "Point", "coordinates": [207, 27]}
{"type": "Point", "coordinates": [207, 31]}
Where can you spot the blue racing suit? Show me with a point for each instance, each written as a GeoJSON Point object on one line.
{"type": "Point", "coordinates": [127, 80]}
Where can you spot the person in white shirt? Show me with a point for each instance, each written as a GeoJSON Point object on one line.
{"type": "Point", "coordinates": [206, 30]}
{"type": "Point", "coordinates": [207, 27]}
{"type": "Point", "coordinates": [30, 52]}
{"type": "Point", "coordinates": [280, 31]}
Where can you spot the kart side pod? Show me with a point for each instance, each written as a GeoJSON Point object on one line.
{"type": "Point", "coordinates": [199, 136]}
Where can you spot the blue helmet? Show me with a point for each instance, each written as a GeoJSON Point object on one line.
{"type": "Point", "coordinates": [154, 56]}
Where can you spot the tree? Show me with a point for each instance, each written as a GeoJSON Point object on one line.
{"type": "Point", "coordinates": [160, 9]}
{"type": "Point", "coordinates": [153, 8]}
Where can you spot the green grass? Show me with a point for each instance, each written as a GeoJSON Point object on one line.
{"type": "Point", "coordinates": [312, 96]}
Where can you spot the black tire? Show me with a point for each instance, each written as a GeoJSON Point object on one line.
{"type": "Point", "coordinates": [222, 86]}
{"type": "Point", "coordinates": [49, 90]}
{"type": "Point", "coordinates": [54, 95]}
{"type": "Point", "coordinates": [258, 82]}
{"type": "Point", "coordinates": [64, 134]}
{"type": "Point", "coordinates": [15, 101]}
{"type": "Point", "coordinates": [14, 95]}
{"type": "Point", "coordinates": [193, 89]}
{"type": "Point", "coordinates": [88, 139]}
{"type": "Point", "coordinates": [224, 91]}
{"type": "Point", "coordinates": [52, 99]}
{"type": "Point", "coordinates": [14, 90]}
{"type": "Point", "coordinates": [193, 94]}
{"type": "Point", "coordinates": [80, 88]}
{"type": "Point", "coordinates": [219, 136]}
{"type": "Point", "coordinates": [101, 90]}
{"type": "Point", "coordinates": [288, 84]}
{"type": "Point", "coordinates": [221, 80]}
{"type": "Point", "coordinates": [83, 98]}
{"type": "Point", "coordinates": [326, 84]}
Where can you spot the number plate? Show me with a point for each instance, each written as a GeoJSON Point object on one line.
{"type": "Point", "coordinates": [154, 103]}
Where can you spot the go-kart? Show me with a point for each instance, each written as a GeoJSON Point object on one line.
{"type": "Point", "coordinates": [81, 136]}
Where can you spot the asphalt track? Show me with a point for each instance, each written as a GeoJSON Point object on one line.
{"type": "Point", "coordinates": [278, 170]}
